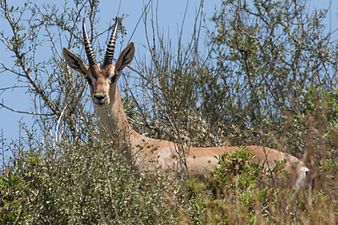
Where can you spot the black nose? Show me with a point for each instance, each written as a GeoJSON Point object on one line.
{"type": "Point", "coordinates": [99, 97]}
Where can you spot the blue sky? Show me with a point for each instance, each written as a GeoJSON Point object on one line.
{"type": "Point", "coordinates": [170, 15]}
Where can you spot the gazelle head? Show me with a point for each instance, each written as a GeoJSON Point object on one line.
{"type": "Point", "coordinates": [101, 77]}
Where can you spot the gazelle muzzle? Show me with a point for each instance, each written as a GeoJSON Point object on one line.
{"type": "Point", "coordinates": [100, 99]}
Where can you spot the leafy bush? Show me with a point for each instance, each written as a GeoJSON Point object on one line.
{"type": "Point", "coordinates": [234, 195]}
{"type": "Point", "coordinates": [94, 183]}
{"type": "Point", "coordinates": [88, 184]}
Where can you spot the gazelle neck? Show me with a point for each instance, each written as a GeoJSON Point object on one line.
{"type": "Point", "coordinates": [112, 118]}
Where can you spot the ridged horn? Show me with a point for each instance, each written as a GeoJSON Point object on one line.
{"type": "Point", "coordinates": [108, 58]}
{"type": "Point", "coordinates": [88, 46]}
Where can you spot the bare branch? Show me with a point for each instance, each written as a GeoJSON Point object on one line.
{"type": "Point", "coordinates": [24, 112]}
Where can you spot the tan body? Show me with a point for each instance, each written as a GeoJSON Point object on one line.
{"type": "Point", "coordinates": [153, 154]}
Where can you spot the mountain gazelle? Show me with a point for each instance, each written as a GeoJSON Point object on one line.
{"type": "Point", "coordinates": [153, 154]}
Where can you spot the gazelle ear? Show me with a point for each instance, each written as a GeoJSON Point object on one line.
{"type": "Point", "coordinates": [74, 61]}
{"type": "Point", "coordinates": [125, 58]}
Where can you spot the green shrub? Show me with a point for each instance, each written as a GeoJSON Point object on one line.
{"type": "Point", "coordinates": [87, 184]}
{"type": "Point", "coordinates": [234, 194]}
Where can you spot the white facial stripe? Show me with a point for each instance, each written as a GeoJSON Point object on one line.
{"type": "Point", "coordinates": [90, 76]}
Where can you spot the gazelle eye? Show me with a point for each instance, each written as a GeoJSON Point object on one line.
{"type": "Point", "coordinates": [113, 79]}
{"type": "Point", "coordinates": [89, 81]}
